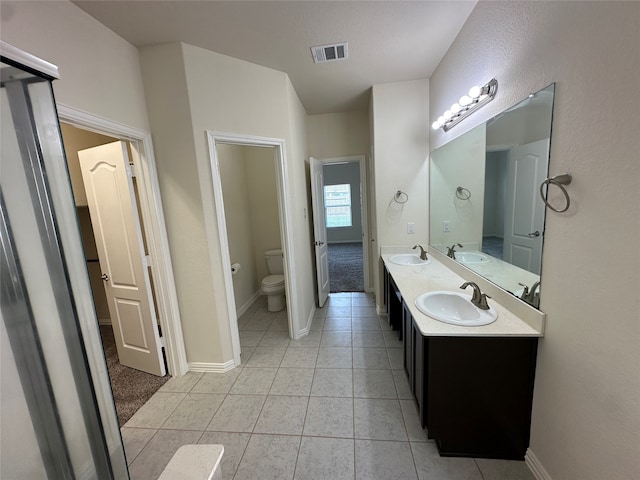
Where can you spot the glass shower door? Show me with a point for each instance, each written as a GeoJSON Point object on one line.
{"type": "Point", "coordinates": [57, 414]}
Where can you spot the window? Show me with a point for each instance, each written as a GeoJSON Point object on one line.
{"type": "Point", "coordinates": [337, 205]}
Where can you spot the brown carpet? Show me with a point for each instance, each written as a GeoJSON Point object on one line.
{"type": "Point", "coordinates": [131, 388]}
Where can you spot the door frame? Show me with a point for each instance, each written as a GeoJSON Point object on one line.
{"type": "Point", "coordinates": [364, 199]}
{"type": "Point", "coordinates": [286, 235]}
{"type": "Point", "coordinates": [155, 230]}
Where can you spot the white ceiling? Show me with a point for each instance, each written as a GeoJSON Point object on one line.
{"type": "Point", "coordinates": [389, 41]}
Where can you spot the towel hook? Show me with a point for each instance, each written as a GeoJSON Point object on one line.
{"type": "Point", "coordinates": [463, 193]}
{"type": "Point", "coordinates": [559, 181]}
{"type": "Point", "coordinates": [400, 197]}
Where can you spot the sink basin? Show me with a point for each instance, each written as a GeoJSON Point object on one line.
{"type": "Point", "coordinates": [408, 259]}
{"type": "Point", "coordinates": [471, 257]}
{"type": "Point", "coordinates": [454, 308]}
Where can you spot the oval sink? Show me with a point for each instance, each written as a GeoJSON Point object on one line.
{"type": "Point", "coordinates": [471, 257]}
{"type": "Point", "coordinates": [408, 259]}
{"type": "Point", "coordinates": [454, 308]}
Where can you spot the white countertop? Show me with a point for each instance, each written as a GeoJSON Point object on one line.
{"type": "Point", "coordinates": [415, 280]}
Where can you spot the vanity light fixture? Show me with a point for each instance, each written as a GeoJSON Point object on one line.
{"type": "Point", "coordinates": [477, 98]}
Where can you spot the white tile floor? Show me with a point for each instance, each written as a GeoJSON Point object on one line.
{"type": "Point", "coordinates": [333, 405]}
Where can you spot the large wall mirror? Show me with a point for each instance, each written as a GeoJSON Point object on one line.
{"type": "Point", "coordinates": [485, 207]}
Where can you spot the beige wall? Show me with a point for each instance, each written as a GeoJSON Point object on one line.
{"type": "Point", "coordinates": [187, 94]}
{"type": "Point", "coordinates": [190, 91]}
{"type": "Point", "coordinates": [586, 412]}
{"type": "Point", "coordinates": [99, 71]}
{"type": "Point", "coordinates": [401, 150]}
{"type": "Point", "coordinates": [251, 209]}
{"type": "Point", "coordinates": [74, 140]}
{"type": "Point", "coordinates": [166, 91]}
{"type": "Point", "coordinates": [299, 190]}
{"type": "Point", "coordinates": [237, 211]}
{"type": "Point", "coordinates": [338, 134]}
{"type": "Point", "coordinates": [459, 163]}
{"type": "Point", "coordinates": [263, 202]}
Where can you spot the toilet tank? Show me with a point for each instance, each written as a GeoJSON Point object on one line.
{"type": "Point", "coordinates": [274, 261]}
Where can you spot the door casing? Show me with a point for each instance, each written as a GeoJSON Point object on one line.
{"type": "Point", "coordinates": [154, 225]}
{"type": "Point", "coordinates": [364, 203]}
{"type": "Point", "coordinates": [286, 233]}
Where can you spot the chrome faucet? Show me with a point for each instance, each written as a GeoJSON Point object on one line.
{"type": "Point", "coordinates": [451, 251]}
{"type": "Point", "coordinates": [479, 299]}
{"type": "Point", "coordinates": [423, 252]}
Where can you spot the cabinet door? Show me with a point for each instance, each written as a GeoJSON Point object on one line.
{"type": "Point", "coordinates": [408, 338]}
{"type": "Point", "coordinates": [395, 307]}
{"type": "Point", "coordinates": [385, 285]}
{"type": "Point", "coordinates": [480, 393]}
{"type": "Point", "coordinates": [419, 372]}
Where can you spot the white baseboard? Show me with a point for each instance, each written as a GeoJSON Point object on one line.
{"type": "Point", "coordinates": [104, 321]}
{"type": "Point", "coordinates": [535, 466]}
{"type": "Point", "coordinates": [380, 310]}
{"type": "Point", "coordinates": [211, 367]}
{"type": "Point", "coordinates": [244, 307]}
{"type": "Point", "coordinates": [305, 331]}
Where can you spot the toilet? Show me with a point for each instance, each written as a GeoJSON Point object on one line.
{"type": "Point", "coordinates": [273, 284]}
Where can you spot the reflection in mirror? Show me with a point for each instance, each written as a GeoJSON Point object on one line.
{"type": "Point", "coordinates": [484, 196]}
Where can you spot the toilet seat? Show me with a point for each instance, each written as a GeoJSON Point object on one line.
{"type": "Point", "coordinates": [272, 281]}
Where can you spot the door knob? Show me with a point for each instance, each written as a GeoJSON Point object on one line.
{"type": "Point", "coordinates": [318, 244]}
{"type": "Point", "coordinates": [534, 234]}
{"type": "Point", "coordinates": [105, 277]}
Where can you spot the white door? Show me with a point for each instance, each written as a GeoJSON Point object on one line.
{"type": "Point", "coordinates": [319, 230]}
{"type": "Point", "coordinates": [116, 226]}
{"type": "Point", "coordinates": [524, 217]}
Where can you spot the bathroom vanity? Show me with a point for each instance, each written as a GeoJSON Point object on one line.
{"type": "Point", "coordinates": [473, 385]}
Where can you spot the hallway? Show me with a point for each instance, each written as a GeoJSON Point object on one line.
{"type": "Point", "coordinates": [332, 405]}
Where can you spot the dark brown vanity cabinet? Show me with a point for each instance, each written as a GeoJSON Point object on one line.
{"type": "Point", "coordinates": [479, 392]}
{"type": "Point", "coordinates": [393, 301]}
{"type": "Point", "coordinates": [414, 360]}
{"type": "Point", "coordinates": [474, 394]}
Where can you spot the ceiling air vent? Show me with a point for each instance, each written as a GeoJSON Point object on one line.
{"type": "Point", "coordinates": [329, 53]}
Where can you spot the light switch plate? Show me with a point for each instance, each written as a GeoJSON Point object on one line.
{"type": "Point", "coordinates": [411, 227]}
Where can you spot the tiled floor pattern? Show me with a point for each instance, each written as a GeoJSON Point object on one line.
{"type": "Point", "coordinates": [334, 405]}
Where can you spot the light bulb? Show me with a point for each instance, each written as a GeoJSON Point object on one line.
{"type": "Point", "coordinates": [436, 125]}
{"type": "Point", "coordinates": [455, 108]}
{"type": "Point", "coordinates": [442, 120]}
{"type": "Point", "coordinates": [465, 100]}
{"type": "Point", "coordinates": [447, 114]}
{"type": "Point", "coordinates": [475, 91]}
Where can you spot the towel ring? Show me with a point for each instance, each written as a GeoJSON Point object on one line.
{"type": "Point", "coordinates": [460, 193]}
{"type": "Point", "coordinates": [559, 181]}
{"type": "Point", "coordinates": [400, 197]}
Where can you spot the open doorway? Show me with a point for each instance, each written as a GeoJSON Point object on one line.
{"type": "Point", "coordinates": [340, 220]}
{"type": "Point", "coordinates": [343, 221]}
{"type": "Point", "coordinates": [269, 152]}
{"type": "Point", "coordinates": [250, 194]}
{"type": "Point", "coordinates": [131, 386]}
